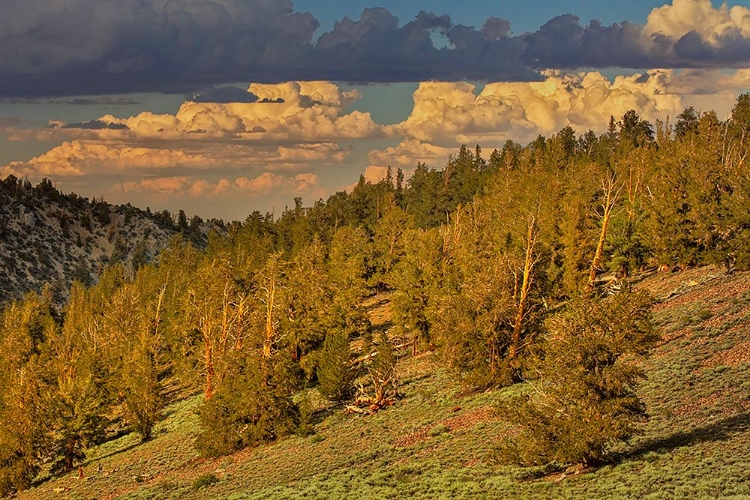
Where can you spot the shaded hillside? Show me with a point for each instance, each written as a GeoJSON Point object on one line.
{"type": "Point", "coordinates": [49, 237]}
{"type": "Point", "coordinates": [437, 441]}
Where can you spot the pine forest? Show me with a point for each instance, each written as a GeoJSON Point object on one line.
{"type": "Point", "coordinates": [516, 271]}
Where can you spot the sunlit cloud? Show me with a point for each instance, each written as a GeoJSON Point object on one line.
{"type": "Point", "coordinates": [183, 186]}
{"type": "Point", "coordinates": [406, 154]}
{"type": "Point", "coordinates": [288, 127]}
{"type": "Point", "coordinates": [682, 17]}
{"type": "Point", "coordinates": [448, 114]}
{"type": "Point", "coordinates": [288, 138]}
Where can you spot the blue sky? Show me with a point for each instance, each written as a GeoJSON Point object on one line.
{"type": "Point", "coordinates": [225, 107]}
{"type": "Point", "coordinates": [523, 15]}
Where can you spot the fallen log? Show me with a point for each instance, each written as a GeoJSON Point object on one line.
{"type": "Point", "coordinates": [357, 410]}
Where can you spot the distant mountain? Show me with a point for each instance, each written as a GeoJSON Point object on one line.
{"type": "Point", "coordinates": [47, 237]}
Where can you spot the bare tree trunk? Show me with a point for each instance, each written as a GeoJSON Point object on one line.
{"type": "Point", "coordinates": [526, 283]}
{"type": "Point", "coordinates": [271, 292]}
{"type": "Point", "coordinates": [240, 326]}
{"type": "Point", "coordinates": [633, 189]}
{"type": "Point", "coordinates": [209, 354]}
{"type": "Point", "coordinates": [611, 193]}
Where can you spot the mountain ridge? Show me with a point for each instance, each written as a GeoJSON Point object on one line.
{"type": "Point", "coordinates": [51, 238]}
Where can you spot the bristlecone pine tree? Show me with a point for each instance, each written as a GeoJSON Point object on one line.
{"type": "Point", "coordinates": [383, 373]}
{"type": "Point", "coordinates": [253, 405]}
{"type": "Point", "coordinates": [24, 437]}
{"type": "Point", "coordinates": [585, 399]}
{"type": "Point", "coordinates": [79, 400]}
{"type": "Point", "coordinates": [335, 372]}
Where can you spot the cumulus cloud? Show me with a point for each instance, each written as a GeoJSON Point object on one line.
{"type": "Point", "coordinates": [70, 47]}
{"type": "Point", "coordinates": [406, 154]}
{"type": "Point", "coordinates": [82, 157]}
{"type": "Point", "coordinates": [304, 111]}
{"type": "Point", "coordinates": [183, 186]}
{"type": "Point", "coordinates": [450, 114]}
{"type": "Point", "coordinates": [375, 174]}
{"type": "Point", "coordinates": [285, 127]}
{"type": "Point", "coordinates": [683, 34]}
{"type": "Point", "coordinates": [271, 146]}
{"type": "Point", "coordinates": [685, 16]}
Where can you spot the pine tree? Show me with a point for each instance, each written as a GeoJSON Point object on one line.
{"type": "Point", "coordinates": [585, 399]}
{"type": "Point", "coordinates": [252, 405]}
{"type": "Point", "coordinates": [306, 301]}
{"type": "Point", "coordinates": [383, 372]}
{"type": "Point", "coordinates": [414, 281]}
{"type": "Point", "coordinates": [79, 400]}
{"type": "Point", "coordinates": [387, 241]}
{"type": "Point", "coordinates": [24, 436]}
{"type": "Point", "coordinates": [219, 313]}
{"type": "Point", "coordinates": [335, 373]}
{"type": "Point", "coordinates": [492, 295]}
{"type": "Point", "coordinates": [134, 320]}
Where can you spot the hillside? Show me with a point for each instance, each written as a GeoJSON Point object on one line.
{"type": "Point", "coordinates": [49, 237]}
{"type": "Point", "coordinates": [437, 441]}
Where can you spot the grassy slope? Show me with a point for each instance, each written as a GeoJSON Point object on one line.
{"type": "Point", "coordinates": [435, 443]}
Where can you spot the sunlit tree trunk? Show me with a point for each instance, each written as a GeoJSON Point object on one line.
{"type": "Point", "coordinates": [269, 291]}
{"type": "Point", "coordinates": [611, 194]}
{"type": "Point", "coordinates": [522, 294]}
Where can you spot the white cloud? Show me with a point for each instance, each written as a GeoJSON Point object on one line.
{"type": "Point", "coordinates": [375, 174]}
{"type": "Point", "coordinates": [216, 150]}
{"type": "Point", "coordinates": [294, 126]}
{"type": "Point", "coordinates": [407, 153]}
{"type": "Point", "coordinates": [450, 114]}
{"type": "Point", "coordinates": [302, 111]}
{"type": "Point", "coordinates": [683, 16]}
{"type": "Point", "coordinates": [184, 186]}
{"type": "Point", "coordinates": [446, 115]}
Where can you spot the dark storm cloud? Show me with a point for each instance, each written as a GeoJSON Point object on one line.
{"type": "Point", "coordinates": [98, 101]}
{"type": "Point", "coordinates": [93, 125]}
{"type": "Point", "coordinates": [733, 49]}
{"type": "Point", "coordinates": [76, 101]}
{"type": "Point", "coordinates": [224, 94]}
{"type": "Point", "coordinates": [74, 47]}
{"type": "Point", "coordinates": [569, 45]}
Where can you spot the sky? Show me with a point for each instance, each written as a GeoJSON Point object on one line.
{"type": "Point", "coordinates": [224, 107]}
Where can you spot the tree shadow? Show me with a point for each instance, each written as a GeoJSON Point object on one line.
{"type": "Point", "coordinates": [720, 430]}
{"type": "Point", "coordinates": [319, 416]}
{"type": "Point", "coordinates": [49, 476]}
{"type": "Point", "coordinates": [111, 454]}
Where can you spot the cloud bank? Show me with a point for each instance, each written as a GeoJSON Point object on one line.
{"type": "Point", "coordinates": [448, 114]}
{"type": "Point", "coordinates": [74, 47]}
{"type": "Point", "coordinates": [300, 128]}
{"type": "Point", "coordinates": [277, 135]}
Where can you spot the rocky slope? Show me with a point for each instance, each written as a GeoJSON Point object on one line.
{"type": "Point", "coordinates": [47, 237]}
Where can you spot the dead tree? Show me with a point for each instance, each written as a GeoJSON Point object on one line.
{"type": "Point", "coordinates": [611, 189]}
